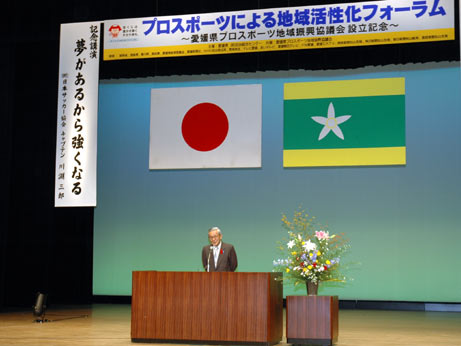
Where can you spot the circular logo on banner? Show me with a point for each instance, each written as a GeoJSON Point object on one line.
{"type": "Point", "coordinates": [205, 126]}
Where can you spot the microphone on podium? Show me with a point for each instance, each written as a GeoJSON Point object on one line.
{"type": "Point", "coordinates": [209, 254]}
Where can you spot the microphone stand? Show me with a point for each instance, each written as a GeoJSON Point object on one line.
{"type": "Point", "coordinates": [208, 262]}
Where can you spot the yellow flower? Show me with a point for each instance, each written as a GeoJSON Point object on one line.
{"type": "Point", "coordinates": [287, 270]}
{"type": "Point", "coordinates": [309, 266]}
{"type": "Point", "coordinates": [304, 269]}
{"type": "Point", "coordinates": [318, 253]}
{"type": "Point", "coordinates": [293, 253]}
{"type": "Point", "coordinates": [311, 254]}
{"type": "Point", "coordinates": [328, 262]}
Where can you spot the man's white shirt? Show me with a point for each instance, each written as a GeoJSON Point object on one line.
{"type": "Point", "coordinates": [216, 251]}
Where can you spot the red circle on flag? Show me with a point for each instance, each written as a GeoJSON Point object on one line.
{"type": "Point", "coordinates": [205, 126]}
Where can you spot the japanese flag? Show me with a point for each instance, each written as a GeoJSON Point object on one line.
{"type": "Point", "coordinates": [205, 127]}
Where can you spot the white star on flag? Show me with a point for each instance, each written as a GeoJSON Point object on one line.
{"type": "Point", "coordinates": [331, 123]}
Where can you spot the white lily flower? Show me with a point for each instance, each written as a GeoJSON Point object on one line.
{"type": "Point", "coordinates": [309, 246]}
{"type": "Point", "coordinates": [290, 244]}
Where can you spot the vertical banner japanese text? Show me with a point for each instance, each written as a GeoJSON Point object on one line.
{"type": "Point", "coordinates": [76, 142]}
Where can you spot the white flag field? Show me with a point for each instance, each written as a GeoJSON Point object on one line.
{"type": "Point", "coordinates": [206, 127]}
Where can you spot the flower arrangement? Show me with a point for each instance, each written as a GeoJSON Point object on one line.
{"type": "Point", "coordinates": [310, 254]}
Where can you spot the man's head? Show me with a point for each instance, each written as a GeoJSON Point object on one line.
{"type": "Point", "coordinates": [214, 236]}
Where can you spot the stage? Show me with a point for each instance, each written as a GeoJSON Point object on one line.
{"type": "Point", "coordinates": [109, 324]}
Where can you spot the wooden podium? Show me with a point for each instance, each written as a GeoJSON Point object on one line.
{"type": "Point", "coordinates": [206, 308]}
{"type": "Point", "coordinates": [312, 320]}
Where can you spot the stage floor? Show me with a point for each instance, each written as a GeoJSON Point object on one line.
{"type": "Point", "coordinates": [106, 324]}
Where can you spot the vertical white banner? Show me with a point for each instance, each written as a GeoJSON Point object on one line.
{"type": "Point", "coordinates": [76, 142]}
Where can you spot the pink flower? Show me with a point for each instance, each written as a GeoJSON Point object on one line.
{"type": "Point", "coordinates": [322, 235]}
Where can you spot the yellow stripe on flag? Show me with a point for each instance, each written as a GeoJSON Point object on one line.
{"type": "Point", "coordinates": [344, 88]}
{"type": "Point", "coordinates": [344, 157]}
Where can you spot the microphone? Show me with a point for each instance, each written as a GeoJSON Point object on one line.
{"type": "Point", "coordinates": [208, 262]}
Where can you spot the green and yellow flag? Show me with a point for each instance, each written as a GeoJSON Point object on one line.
{"type": "Point", "coordinates": [344, 123]}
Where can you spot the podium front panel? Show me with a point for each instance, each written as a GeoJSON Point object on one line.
{"type": "Point", "coordinates": [218, 307]}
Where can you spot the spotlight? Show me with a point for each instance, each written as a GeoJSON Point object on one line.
{"type": "Point", "coordinates": [40, 307]}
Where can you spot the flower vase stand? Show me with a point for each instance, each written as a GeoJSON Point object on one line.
{"type": "Point", "coordinates": [312, 320]}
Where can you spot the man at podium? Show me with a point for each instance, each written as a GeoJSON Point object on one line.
{"type": "Point", "coordinates": [218, 256]}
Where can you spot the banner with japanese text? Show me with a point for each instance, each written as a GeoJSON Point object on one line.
{"type": "Point", "coordinates": [292, 28]}
{"type": "Point", "coordinates": [76, 142]}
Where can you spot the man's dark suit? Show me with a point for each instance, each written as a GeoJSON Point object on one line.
{"type": "Point", "coordinates": [227, 259]}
